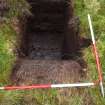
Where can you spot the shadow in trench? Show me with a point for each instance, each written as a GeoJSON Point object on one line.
{"type": "Point", "coordinates": [51, 32]}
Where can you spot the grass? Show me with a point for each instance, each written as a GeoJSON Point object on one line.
{"type": "Point", "coordinates": [98, 19]}
{"type": "Point", "coordinates": [51, 97]}
{"type": "Point", "coordinates": [6, 55]}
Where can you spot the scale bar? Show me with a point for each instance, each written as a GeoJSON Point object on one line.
{"type": "Point", "coordinates": [47, 86]}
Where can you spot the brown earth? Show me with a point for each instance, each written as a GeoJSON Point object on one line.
{"type": "Point", "coordinates": [47, 44]}
{"type": "Point", "coordinates": [27, 72]}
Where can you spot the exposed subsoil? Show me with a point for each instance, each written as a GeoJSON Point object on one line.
{"type": "Point", "coordinates": [49, 45]}
{"type": "Point", "coordinates": [46, 72]}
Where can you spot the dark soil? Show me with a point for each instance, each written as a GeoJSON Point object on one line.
{"type": "Point", "coordinates": [50, 41]}
{"type": "Point", "coordinates": [28, 72]}
{"type": "Point", "coordinates": [51, 31]}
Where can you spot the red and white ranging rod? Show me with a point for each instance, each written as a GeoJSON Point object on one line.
{"type": "Point", "coordinates": [73, 85]}
{"type": "Point", "coordinates": [99, 68]}
{"type": "Point", "coordinates": [44, 86]}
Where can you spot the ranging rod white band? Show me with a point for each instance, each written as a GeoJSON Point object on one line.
{"type": "Point", "coordinates": [102, 89]}
{"type": "Point", "coordinates": [72, 85]}
{"type": "Point", "coordinates": [2, 88]}
{"type": "Point", "coordinates": [91, 29]}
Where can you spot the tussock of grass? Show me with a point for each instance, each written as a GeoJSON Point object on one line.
{"type": "Point", "coordinates": [6, 54]}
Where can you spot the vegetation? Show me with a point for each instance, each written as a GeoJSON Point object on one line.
{"type": "Point", "coordinates": [8, 35]}
{"type": "Point", "coordinates": [95, 8]}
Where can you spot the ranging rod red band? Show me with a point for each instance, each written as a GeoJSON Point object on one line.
{"type": "Point", "coordinates": [97, 62]}
{"type": "Point", "coordinates": [27, 87]}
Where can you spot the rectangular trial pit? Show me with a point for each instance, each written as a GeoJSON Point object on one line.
{"type": "Point", "coordinates": [51, 31]}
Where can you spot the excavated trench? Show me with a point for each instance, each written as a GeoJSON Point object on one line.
{"type": "Point", "coordinates": [50, 39]}
{"type": "Point", "coordinates": [52, 30]}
